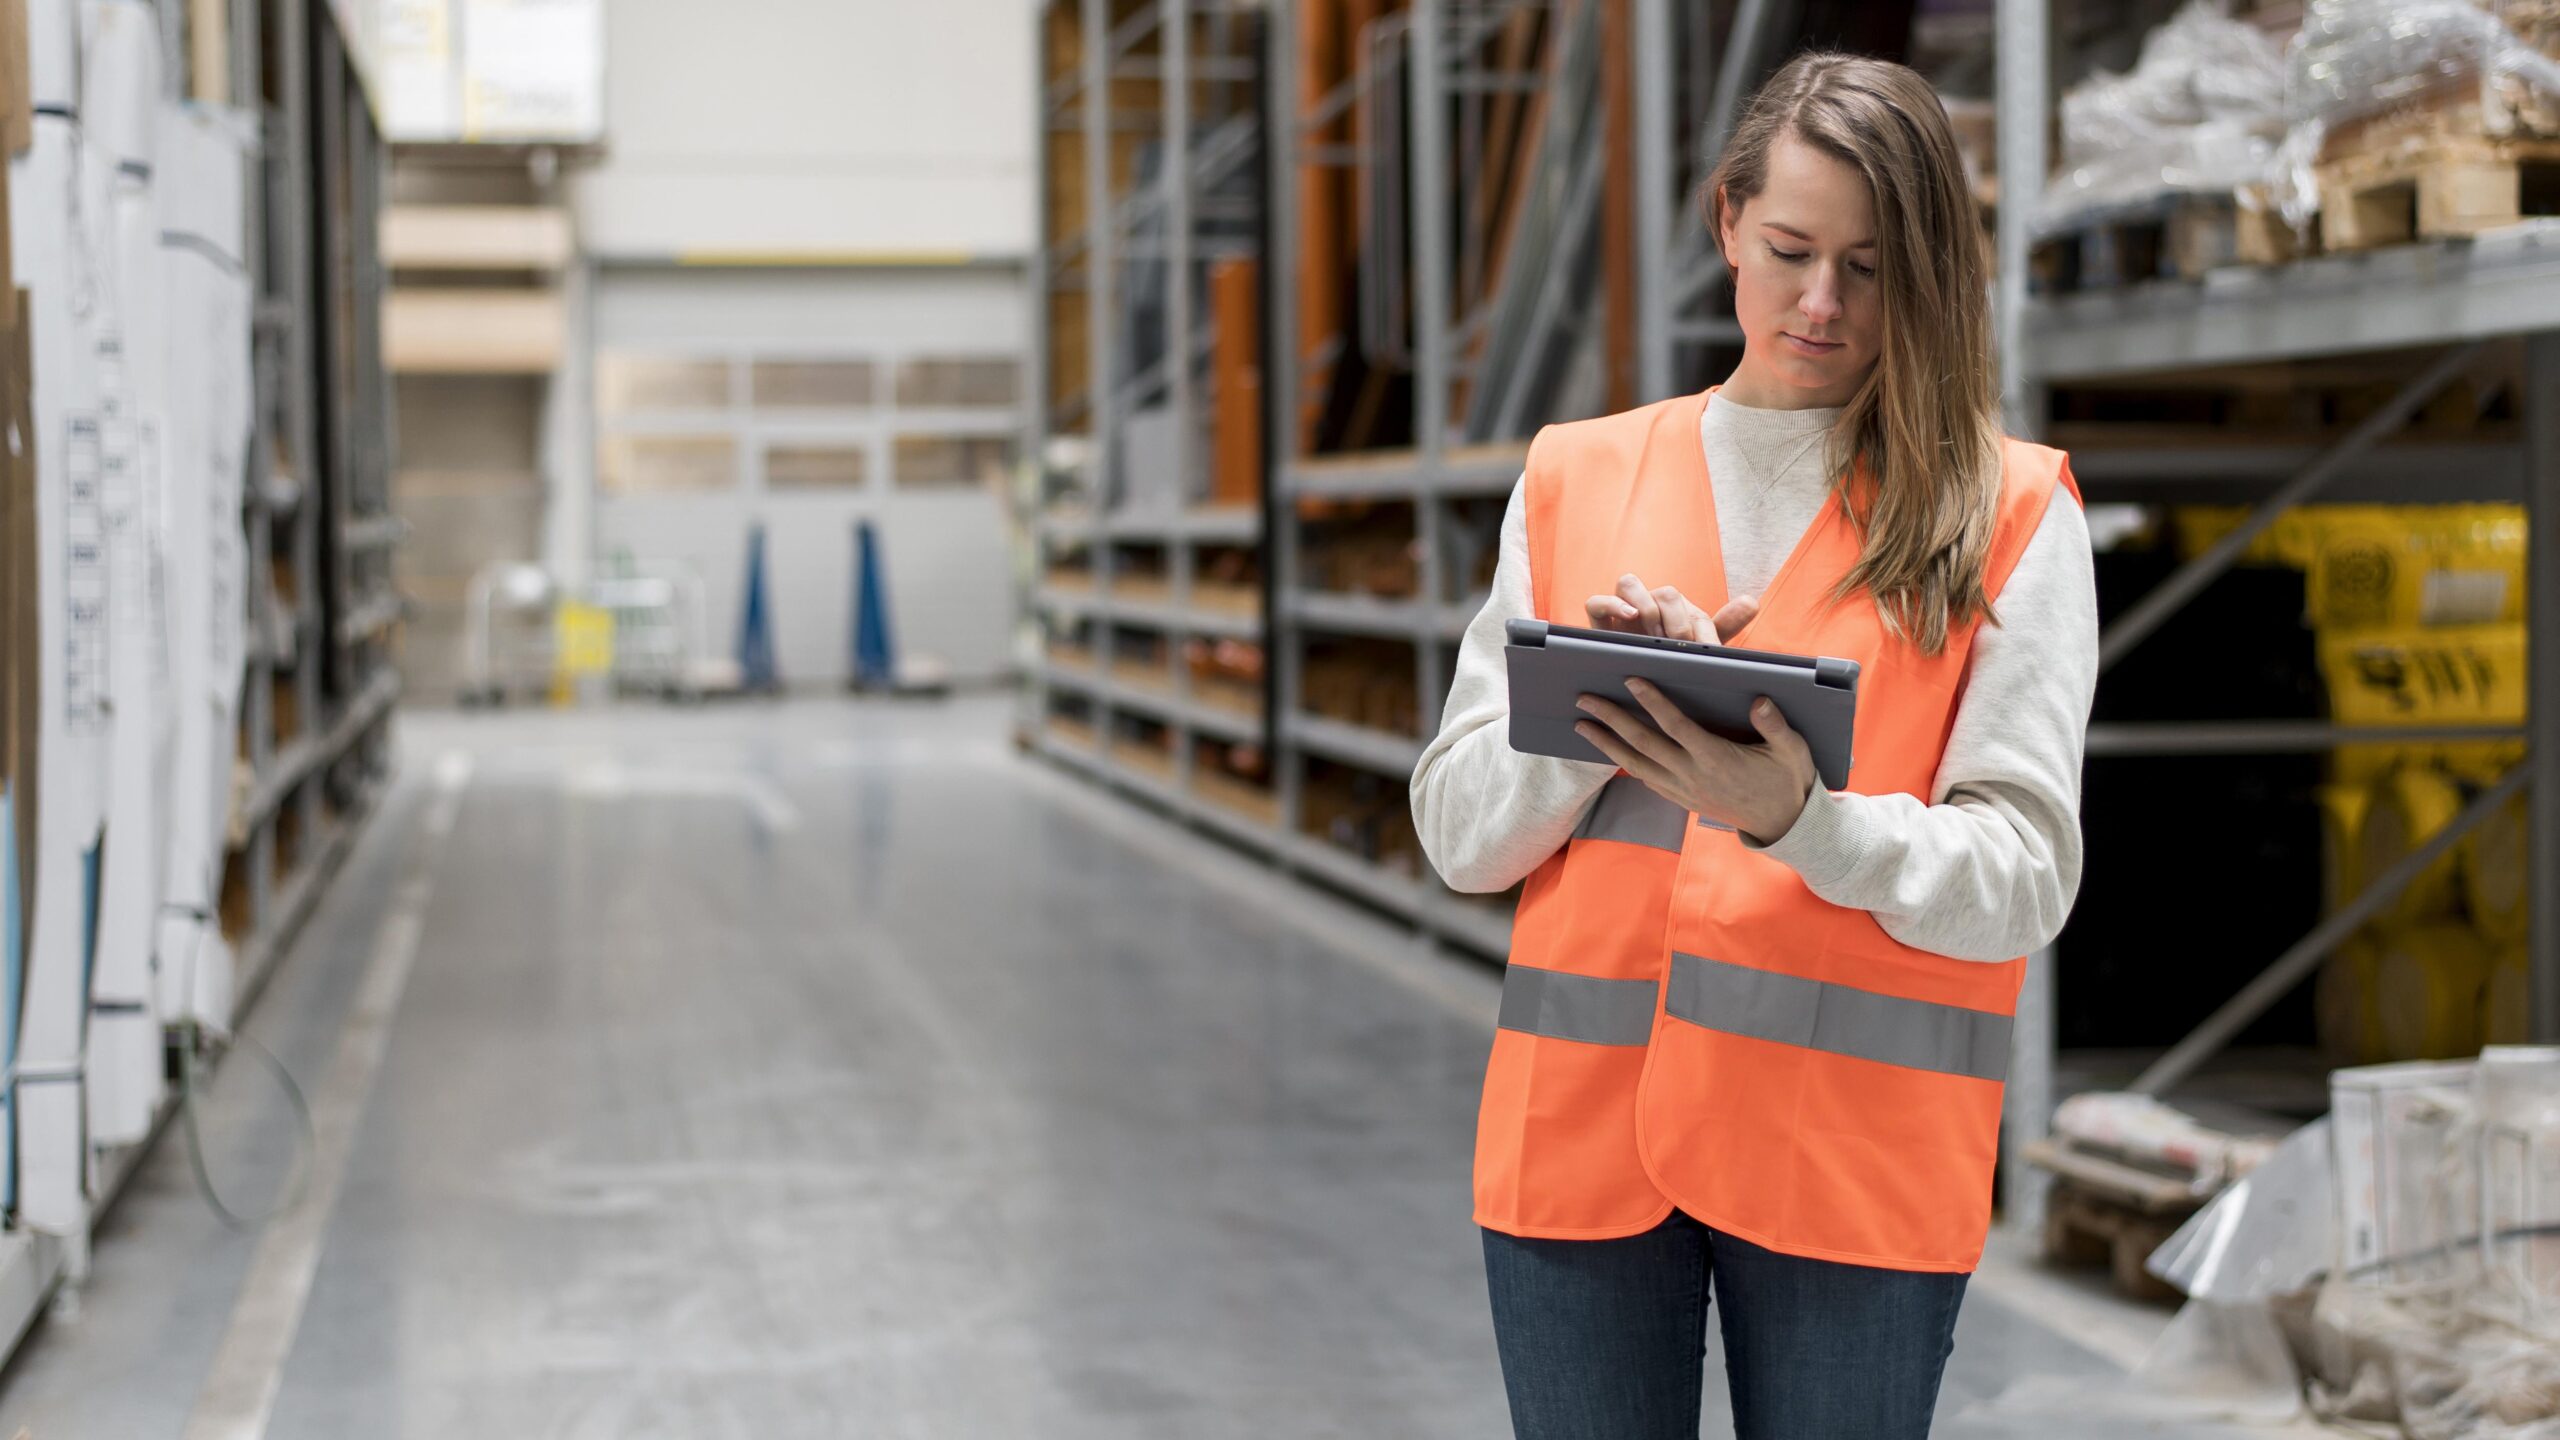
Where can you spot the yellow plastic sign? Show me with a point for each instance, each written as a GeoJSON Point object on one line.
{"type": "Point", "coordinates": [582, 639]}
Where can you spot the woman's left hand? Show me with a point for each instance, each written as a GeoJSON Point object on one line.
{"type": "Point", "coordinates": [1757, 789]}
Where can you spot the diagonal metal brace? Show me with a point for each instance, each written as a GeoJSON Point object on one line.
{"type": "Point", "coordinates": [2289, 969]}
{"type": "Point", "coordinates": [2137, 624]}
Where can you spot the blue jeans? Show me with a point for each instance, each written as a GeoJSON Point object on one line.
{"type": "Point", "coordinates": [1607, 1338]}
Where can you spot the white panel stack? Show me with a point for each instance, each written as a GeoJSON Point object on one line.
{"type": "Point", "coordinates": [58, 202]}
{"type": "Point", "coordinates": [53, 64]}
{"type": "Point", "coordinates": [205, 432]}
{"type": "Point", "coordinates": [121, 104]}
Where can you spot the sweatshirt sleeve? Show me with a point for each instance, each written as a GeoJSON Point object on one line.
{"type": "Point", "coordinates": [1987, 872]}
{"type": "Point", "coordinates": [1487, 815]}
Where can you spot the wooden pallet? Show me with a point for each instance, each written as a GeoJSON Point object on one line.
{"type": "Point", "coordinates": [2103, 1211]}
{"type": "Point", "coordinates": [2455, 109]}
{"type": "Point", "coordinates": [2179, 239]}
{"type": "Point", "coordinates": [2443, 187]}
{"type": "Point", "coordinates": [2082, 1228]}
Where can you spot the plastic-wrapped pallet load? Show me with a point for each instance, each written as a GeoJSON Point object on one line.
{"type": "Point", "coordinates": [2358, 58]}
{"type": "Point", "coordinates": [121, 106]}
{"type": "Point", "coordinates": [2446, 675]}
{"type": "Point", "coordinates": [2159, 1137]}
{"type": "Point", "coordinates": [2404, 810]}
{"type": "Point", "coordinates": [2519, 1090]}
{"type": "Point", "coordinates": [2405, 1194]}
{"type": "Point", "coordinates": [202, 174]}
{"type": "Point", "coordinates": [2400, 1260]}
{"type": "Point", "coordinates": [2506, 1001]}
{"type": "Point", "coordinates": [2200, 112]}
{"type": "Point", "coordinates": [2380, 566]}
{"type": "Point", "coordinates": [2427, 985]}
{"type": "Point", "coordinates": [2344, 1005]}
{"type": "Point", "coordinates": [2252, 1253]}
{"type": "Point", "coordinates": [2495, 868]}
{"type": "Point", "coordinates": [2342, 812]}
{"type": "Point", "coordinates": [2399, 110]}
{"type": "Point", "coordinates": [58, 205]}
{"type": "Point", "coordinates": [2444, 1291]}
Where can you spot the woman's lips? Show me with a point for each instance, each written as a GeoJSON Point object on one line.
{"type": "Point", "coordinates": [1802, 346]}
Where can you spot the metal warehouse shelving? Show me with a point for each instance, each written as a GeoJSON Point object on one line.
{"type": "Point", "coordinates": [1471, 470]}
{"type": "Point", "coordinates": [1120, 693]}
{"type": "Point", "coordinates": [1167, 616]}
{"type": "Point", "coordinates": [1352, 614]}
{"type": "Point", "coordinates": [1196, 45]}
{"type": "Point", "coordinates": [1444, 466]}
{"type": "Point", "coordinates": [1455, 460]}
{"type": "Point", "coordinates": [1476, 451]}
{"type": "Point", "coordinates": [324, 431]}
{"type": "Point", "coordinates": [2503, 283]}
{"type": "Point", "coordinates": [2452, 294]}
{"type": "Point", "coordinates": [1207, 525]}
{"type": "Point", "coordinates": [1479, 926]}
{"type": "Point", "coordinates": [311, 512]}
{"type": "Point", "coordinates": [2438, 293]}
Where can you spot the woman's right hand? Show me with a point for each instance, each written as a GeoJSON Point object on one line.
{"type": "Point", "coordinates": [1665, 611]}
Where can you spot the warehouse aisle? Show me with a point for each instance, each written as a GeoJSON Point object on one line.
{"type": "Point", "coordinates": [825, 1069]}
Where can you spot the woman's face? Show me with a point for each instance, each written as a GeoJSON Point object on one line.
{"type": "Point", "coordinates": [1804, 282]}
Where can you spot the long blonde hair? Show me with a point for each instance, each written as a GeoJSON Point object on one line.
{"type": "Point", "coordinates": [1924, 429]}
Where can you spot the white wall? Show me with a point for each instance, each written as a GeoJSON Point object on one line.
{"type": "Point", "coordinates": [949, 588]}
{"type": "Point", "coordinates": [814, 127]}
{"type": "Point", "coordinates": [810, 129]}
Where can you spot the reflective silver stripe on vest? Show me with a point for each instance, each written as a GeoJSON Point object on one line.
{"type": "Point", "coordinates": [1791, 1010]}
{"type": "Point", "coordinates": [1576, 1007]}
{"type": "Point", "coordinates": [1627, 811]}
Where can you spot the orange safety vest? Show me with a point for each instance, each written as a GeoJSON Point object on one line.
{"type": "Point", "coordinates": [1685, 1023]}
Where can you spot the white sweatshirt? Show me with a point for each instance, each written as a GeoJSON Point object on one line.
{"type": "Point", "coordinates": [1985, 871]}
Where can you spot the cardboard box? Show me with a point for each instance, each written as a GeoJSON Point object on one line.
{"type": "Point", "coordinates": [209, 46]}
{"type": "Point", "coordinates": [476, 237]}
{"type": "Point", "coordinates": [17, 99]}
{"type": "Point", "coordinates": [473, 331]}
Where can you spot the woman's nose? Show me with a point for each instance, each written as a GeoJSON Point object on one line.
{"type": "Point", "coordinates": [1821, 302]}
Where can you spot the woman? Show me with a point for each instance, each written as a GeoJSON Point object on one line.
{"type": "Point", "coordinates": [1769, 1057]}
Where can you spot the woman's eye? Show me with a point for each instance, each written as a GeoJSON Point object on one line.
{"type": "Point", "coordinates": [1792, 257]}
{"type": "Point", "coordinates": [1867, 272]}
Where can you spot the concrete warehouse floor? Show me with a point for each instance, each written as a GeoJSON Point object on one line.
{"type": "Point", "coordinates": [825, 1069]}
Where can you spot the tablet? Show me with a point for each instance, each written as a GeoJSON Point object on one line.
{"type": "Point", "coordinates": [1553, 666]}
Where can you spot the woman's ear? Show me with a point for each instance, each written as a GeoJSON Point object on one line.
{"type": "Point", "coordinates": [1721, 218]}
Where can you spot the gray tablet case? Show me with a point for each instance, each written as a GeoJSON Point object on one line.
{"type": "Point", "coordinates": [1552, 666]}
